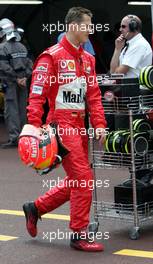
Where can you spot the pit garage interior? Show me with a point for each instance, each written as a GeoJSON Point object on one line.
{"type": "Point", "coordinates": [36, 18]}
{"type": "Point", "coordinates": [33, 17]}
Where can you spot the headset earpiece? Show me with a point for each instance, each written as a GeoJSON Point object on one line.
{"type": "Point", "coordinates": [133, 25]}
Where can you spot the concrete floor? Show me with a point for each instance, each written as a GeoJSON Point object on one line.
{"type": "Point", "coordinates": [19, 184]}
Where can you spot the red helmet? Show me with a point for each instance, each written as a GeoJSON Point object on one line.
{"type": "Point", "coordinates": [38, 148]}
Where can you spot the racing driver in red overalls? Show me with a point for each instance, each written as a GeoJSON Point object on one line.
{"type": "Point", "coordinates": [65, 75]}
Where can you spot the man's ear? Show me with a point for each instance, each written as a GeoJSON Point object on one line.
{"type": "Point", "coordinates": [73, 26]}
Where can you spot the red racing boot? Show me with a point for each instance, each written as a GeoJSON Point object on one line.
{"type": "Point", "coordinates": [32, 216]}
{"type": "Point", "coordinates": [81, 241]}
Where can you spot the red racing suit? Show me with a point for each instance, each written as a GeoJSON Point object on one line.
{"type": "Point", "coordinates": [66, 76]}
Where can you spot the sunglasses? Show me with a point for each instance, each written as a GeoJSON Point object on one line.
{"type": "Point", "coordinates": [123, 26]}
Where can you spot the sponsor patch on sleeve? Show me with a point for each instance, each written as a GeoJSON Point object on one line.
{"type": "Point", "coordinates": [43, 67]}
{"type": "Point", "coordinates": [37, 89]}
{"type": "Point", "coordinates": [40, 78]}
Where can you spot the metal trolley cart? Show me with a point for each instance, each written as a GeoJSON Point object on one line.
{"type": "Point", "coordinates": [135, 212]}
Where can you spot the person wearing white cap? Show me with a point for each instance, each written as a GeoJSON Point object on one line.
{"type": "Point", "coordinates": [15, 68]}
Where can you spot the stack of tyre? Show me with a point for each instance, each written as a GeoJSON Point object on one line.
{"type": "Point", "coordinates": [120, 141]}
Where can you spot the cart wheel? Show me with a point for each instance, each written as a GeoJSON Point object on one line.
{"type": "Point", "coordinates": [134, 233]}
{"type": "Point", "coordinates": [93, 227]}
